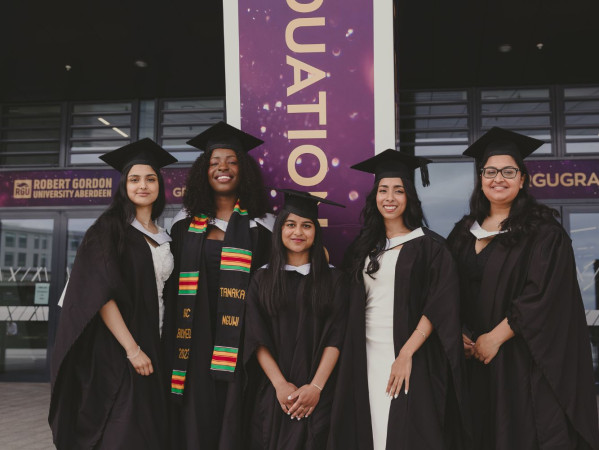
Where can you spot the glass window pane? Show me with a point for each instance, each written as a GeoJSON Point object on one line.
{"type": "Point", "coordinates": [99, 133]}
{"type": "Point", "coordinates": [434, 110]}
{"type": "Point", "coordinates": [586, 92]}
{"type": "Point", "coordinates": [186, 131]}
{"type": "Point", "coordinates": [30, 160]}
{"type": "Point", "coordinates": [515, 108]}
{"type": "Point", "coordinates": [514, 94]}
{"type": "Point", "coordinates": [584, 231]}
{"type": "Point", "coordinates": [433, 96]}
{"type": "Point", "coordinates": [76, 229]}
{"type": "Point", "coordinates": [445, 201]}
{"type": "Point", "coordinates": [113, 120]}
{"type": "Point", "coordinates": [27, 110]}
{"type": "Point", "coordinates": [583, 119]}
{"type": "Point", "coordinates": [208, 117]}
{"type": "Point", "coordinates": [178, 105]}
{"type": "Point", "coordinates": [102, 107]}
{"type": "Point", "coordinates": [24, 288]}
{"type": "Point", "coordinates": [581, 106]}
{"type": "Point", "coordinates": [582, 147]}
{"type": "Point", "coordinates": [31, 134]}
{"type": "Point", "coordinates": [516, 121]}
{"type": "Point", "coordinates": [31, 122]}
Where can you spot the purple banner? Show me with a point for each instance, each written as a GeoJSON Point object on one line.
{"type": "Point", "coordinates": [565, 179]}
{"type": "Point", "coordinates": [74, 187]}
{"type": "Point", "coordinates": [306, 76]}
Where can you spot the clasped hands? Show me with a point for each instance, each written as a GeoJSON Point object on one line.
{"type": "Point", "coordinates": [484, 349]}
{"type": "Point", "coordinates": [297, 403]}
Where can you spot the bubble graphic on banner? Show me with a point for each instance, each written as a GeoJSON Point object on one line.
{"type": "Point", "coordinates": [335, 162]}
{"type": "Point", "coordinates": [353, 196]}
{"type": "Point", "coordinates": [336, 51]}
{"type": "Point", "coordinates": [262, 129]}
{"type": "Point", "coordinates": [349, 32]}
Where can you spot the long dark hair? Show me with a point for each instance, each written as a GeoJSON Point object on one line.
{"type": "Point", "coordinates": [121, 211]}
{"type": "Point", "coordinates": [273, 291]}
{"type": "Point", "coordinates": [371, 240]}
{"type": "Point", "coordinates": [199, 196]}
{"type": "Point", "coordinates": [524, 219]}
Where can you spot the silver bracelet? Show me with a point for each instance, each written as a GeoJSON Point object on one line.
{"type": "Point", "coordinates": [423, 335]}
{"type": "Point", "coordinates": [136, 353]}
{"type": "Point", "coordinates": [317, 387]}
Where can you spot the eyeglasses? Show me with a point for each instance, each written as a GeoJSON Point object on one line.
{"type": "Point", "coordinates": [506, 172]}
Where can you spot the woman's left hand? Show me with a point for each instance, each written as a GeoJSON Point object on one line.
{"type": "Point", "coordinates": [400, 374]}
{"type": "Point", "coordinates": [486, 347]}
{"type": "Point", "coordinates": [307, 397]}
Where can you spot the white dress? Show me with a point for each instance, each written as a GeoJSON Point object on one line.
{"type": "Point", "coordinates": [163, 266]}
{"type": "Point", "coordinates": [380, 351]}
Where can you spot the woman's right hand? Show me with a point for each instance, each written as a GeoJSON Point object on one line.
{"type": "Point", "coordinates": [468, 346]}
{"type": "Point", "coordinates": [284, 391]}
{"type": "Point", "coordinates": [141, 363]}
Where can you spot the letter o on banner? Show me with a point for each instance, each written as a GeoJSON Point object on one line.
{"type": "Point", "coordinates": [304, 7]}
{"type": "Point", "coordinates": [311, 150]}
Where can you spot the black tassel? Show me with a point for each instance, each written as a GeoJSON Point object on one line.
{"type": "Point", "coordinates": [424, 173]}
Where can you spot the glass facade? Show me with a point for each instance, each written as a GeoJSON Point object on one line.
{"type": "Point", "coordinates": [435, 124]}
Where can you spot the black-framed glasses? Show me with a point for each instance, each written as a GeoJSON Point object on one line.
{"type": "Point", "coordinates": [506, 172]}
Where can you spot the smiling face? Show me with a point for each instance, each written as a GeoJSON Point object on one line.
{"type": "Point", "coordinates": [391, 199]}
{"type": "Point", "coordinates": [502, 191]}
{"type": "Point", "coordinates": [142, 185]}
{"type": "Point", "coordinates": [223, 171]}
{"type": "Point", "coordinates": [298, 235]}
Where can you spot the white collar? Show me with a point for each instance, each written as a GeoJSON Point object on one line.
{"type": "Point", "coordinates": [160, 238]}
{"type": "Point", "coordinates": [399, 240]}
{"type": "Point", "coordinates": [481, 233]}
{"type": "Point", "coordinates": [304, 269]}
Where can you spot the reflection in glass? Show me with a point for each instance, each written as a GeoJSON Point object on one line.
{"type": "Point", "coordinates": [25, 279]}
{"type": "Point", "coordinates": [445, 201]}
{"type": "Point", "coordinates": [584, 231]}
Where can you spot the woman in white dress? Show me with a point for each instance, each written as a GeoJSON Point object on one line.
{"type": "Point", "coordinates": [400, 382]}
{"type": "Point", "coordinates": [107, 365]}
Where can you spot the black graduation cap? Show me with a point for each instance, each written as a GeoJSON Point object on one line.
{"type": "Point", "coordinates": [223, 135]}
{"type": "Point", "coordinates": [144, 151]}
{"type": "Point", "coordinates": [499, 141]}
{"type": "Point", "coordinates": [392, 163]}
{"type": "Point", "coordinates": [304, 204]}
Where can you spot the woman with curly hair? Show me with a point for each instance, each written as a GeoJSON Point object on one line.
{"type": "Point", "coordinates": [400, 374]}
{"type": "Point", "coordinates": [107, 366]}
{"type": "Point", "coordinates": [529, 369]}
{"type": "Point", "coordinates": [223, 236]}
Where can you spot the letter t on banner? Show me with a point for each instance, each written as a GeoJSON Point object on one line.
{"type": "Point", "coordinates": [315, 80]}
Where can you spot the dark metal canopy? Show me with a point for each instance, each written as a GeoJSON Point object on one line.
{"type": "Point", "coordinates": [440, 44]}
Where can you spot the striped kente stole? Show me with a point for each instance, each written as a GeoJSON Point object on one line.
{"type": "Point", "coordinates": [235, 265]}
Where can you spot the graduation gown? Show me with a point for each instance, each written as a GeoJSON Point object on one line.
{"type": "Point", "coordinates": [537, 393]}
{"type": "Point", "coordinates": [296, 338]}
{"type": "Point", "coordinates": [210, 414]}
{"type": "Point", "coordinates": [98, 400]}
{"type": "Point", "coordinates": [433, 415]}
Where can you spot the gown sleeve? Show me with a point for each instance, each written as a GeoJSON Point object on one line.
{"type": "Point", "coordinates": [337, 319]}
{"type": "Point", "coordinates": [550, 317]}
{"type": "Point", "coordinates": [256, 323]}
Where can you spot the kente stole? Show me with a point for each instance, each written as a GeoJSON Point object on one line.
{"type": "Point", "coordinates": [235, 264]}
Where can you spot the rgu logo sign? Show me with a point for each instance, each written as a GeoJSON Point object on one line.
{"type": "Point", "coordinates": [22, 189]}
